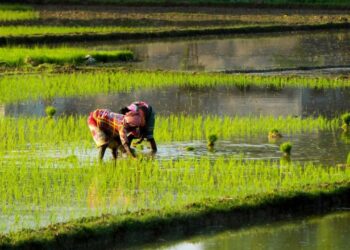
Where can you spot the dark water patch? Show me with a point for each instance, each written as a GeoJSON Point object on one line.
{"type": "Point", "coordinates": [231, 101]}
{"type": "Point", "coordinates": [323, 232]}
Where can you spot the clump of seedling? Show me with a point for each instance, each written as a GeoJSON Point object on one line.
{"type": "Point", "coordinates": [346, 122]}
{"type": "Point", "coordinates": [189, 148]}
{"type": "Point", "coordinates": [286, 148]}
{"type": "Point", "coordinates": [31, 61]}
{"type": "Point", "coordinates": [274, 134]}
{"type": "Point", "coordinates": [211, 140]}
{"type": "Point", "coordinates": [50, 111]}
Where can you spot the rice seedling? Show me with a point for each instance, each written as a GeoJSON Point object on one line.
{"type": "Point", "coordinates": [49, 191]}
{"type": "Point", "coordinates": [26, 132]}
{"type": "Point", "coordinates": [33, 87]}
{"type": "Point", "coordinates": [274, 134]}
{"type": "Point", "coordinates": [189, 148]}
{"type": "Point", "coordinates": [20, 56]}
{"type": "Point", "coordinates": [286, 148]}
{"type": "Point", "coordinates": [19, 30]}
{"type": "Point", "coordinates": [212, 138]}
{"type": "Point", "coordinates": [345, 122]}
{"type": "Point", "coordinates": [50, 111]}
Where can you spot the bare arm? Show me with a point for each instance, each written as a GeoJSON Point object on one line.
{"type": "Point", "coordinates": [125, 142]}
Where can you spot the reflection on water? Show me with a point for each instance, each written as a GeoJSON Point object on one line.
{"type": "Point", "coordinates": [326, 232]}
{"type": "Point", "coordinates": [244, 52]}
{"type": "Point", "coordinates": [321, 148]}
{"type": "Point", "coordinates": [324, 148]}
{"type": "Point", "coordinates": [214, 101]}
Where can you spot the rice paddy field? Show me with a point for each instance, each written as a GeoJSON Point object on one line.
{"type": "Point", "coordinates": [52, 185]}
{"type": "Point", "coordinates": [51, 24]}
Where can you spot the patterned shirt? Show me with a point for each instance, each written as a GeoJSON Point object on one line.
{"type": "Point", "coordinates": [111, 123]}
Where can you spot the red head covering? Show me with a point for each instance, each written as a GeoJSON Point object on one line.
{"type": "Point", "coordinates": [132, 119]}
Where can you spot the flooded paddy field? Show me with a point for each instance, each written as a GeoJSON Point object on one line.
{"type": "Point", "coordinates": [243, 53]}
{"type": "Point", "coordinates": [49, 171]}
{"type": "Point", "coordinates": [220, 100]}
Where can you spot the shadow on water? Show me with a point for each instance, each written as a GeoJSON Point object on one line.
{"type": "Point", "coordinates": [317, 232]}
{"type": "Point", "coordinates": [222, 100]}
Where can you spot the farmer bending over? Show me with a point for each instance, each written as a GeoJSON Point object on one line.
{"type": "Point", "coordinates": [111, 130]}
{"type": "Point", "coordinates": [148, 116]}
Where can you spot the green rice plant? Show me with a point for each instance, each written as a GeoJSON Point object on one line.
{"type": "Point", "coordinates": [34, 87]}
{"type": "Point", "coordinates": [274, 134]}
{"type": "Point", "coordinates": [19, 30]}
{"type": "Point", "coordinates": [50, 111]}
{"type": "Point", "coordinates": [48, 191]}
{"type": "Point", "coordinates": [189, 148]}
{"type": "Point", "coordinates": [20, 56]}
{"type": "Point", "coordinates": [212, 138]}
{"type": "Point", "coordinates": [348, 159]}
{"type": "Point", "coordinates": [346, 118]}
{"type": "Point", "coordinates": [286, 148]}
{"type": "Point", "coordinates": [345, 122]}
{"type": "Point", "coordinates": [25, 132]}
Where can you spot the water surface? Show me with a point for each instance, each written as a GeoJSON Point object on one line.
{"type": "Point", "coordinates": [325, 232]}
{"type": "Point", "coordinates": [222, 100]}
{"type": "Point", "coordinates": [249, 52]}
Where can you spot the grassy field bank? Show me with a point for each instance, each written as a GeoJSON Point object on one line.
{"type": "Point", "coordinates": [44, 86]}
{"type": "Point", "coordinates": [47, 23]}
{"type": "Point", "coordinates": [37, 34]}
{"type": "Point", "coordinates": [20, 56]}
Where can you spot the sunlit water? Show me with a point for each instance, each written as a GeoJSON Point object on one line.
{"type": "Point", "coordinates": [326, 232]}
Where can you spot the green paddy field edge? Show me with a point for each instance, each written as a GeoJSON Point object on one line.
{"type": "Point", "coordinates": [149, 225]}
{"type": "Point", "coordinates": [137, 35]}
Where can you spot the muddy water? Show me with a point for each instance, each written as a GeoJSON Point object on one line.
{"type": "Point", "coordinates": [204, 101]}
{"type": "Point", "coordinates": [325, 232]}
{"type": "Point", "coordinates": [255, 52]}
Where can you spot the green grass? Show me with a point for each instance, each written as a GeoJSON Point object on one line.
{"type": "Point", "coordinates": [33, 87]}
{"type": "Point", "coordinates": [34, 133]}
{"type": "Point", "coordinates": [20, 56]}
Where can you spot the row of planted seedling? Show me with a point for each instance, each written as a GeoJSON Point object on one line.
{"type": "Point", "coordinates": [33, 87]}
{"type": "Point", "coordinates": [29, 132]}
{"type": "Point", "coordinates": [20, 56]}
{"type": "Point", "coordinates": [31, 197]}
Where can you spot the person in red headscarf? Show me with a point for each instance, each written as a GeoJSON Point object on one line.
{"type": "Point", "coordinates": [148, 121]}
{"type": "Point", "coordinates": [111, 130]}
